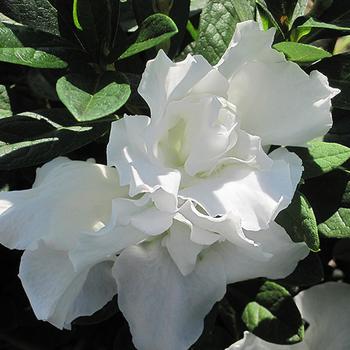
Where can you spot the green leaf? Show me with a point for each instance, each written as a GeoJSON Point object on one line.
{"type": "Point", "coordinates": [32, 138]}
{"type": "Point", "coordinates": [306, 28]}
{"type": "Point", "coordinates": [273, 316]}
{"type": "Point", "coordinates": [321, 157]}
{"type": "Point", "coordinates": [217, 25]}
{"type": "Point", "coordinates": [154, 30]}
{"type": "Point", "coordinates": [5, 105]}
{"type": "Point", "coordinates": [39, 14]}
{"type": "Point", "coordinates": [301, 53]}
{"type": "Point", "coordinates": [25, 46]}
{"type": "Point", "coordinates": [300, 223]}
{"type": "Point", "coordinates": [90, 97]}
{"type": "Point", "coordinates": [338, 225]}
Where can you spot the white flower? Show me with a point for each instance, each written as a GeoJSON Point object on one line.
{"type": "Point", "coordinates": [192, 209]}
{"type": "Point", "coordinates": [326, 308]}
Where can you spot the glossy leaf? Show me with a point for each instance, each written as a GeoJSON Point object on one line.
{"type": "Point", "coordinates": [33, 138]}
{"type": "Point", "coordinates": [301, 53]}
{"type": "Point", "coordinates": [299, 221]}
{"type": "Point", "coordinates": [321, 157]}
{"type": "Point", "coordinates": [90, 97]}
{"type": "Point", "coordinates": [273, 316]}
{"type": "Point", "coordinates": [154, 30]}
{"type": "Point", "coordinates": [25, 46]}
{"type": "Point", "coordinates": [39, 14]}
{"type": "Point", "coordinates": [338, 225]}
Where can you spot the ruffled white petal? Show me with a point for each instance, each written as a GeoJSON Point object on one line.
{"type": "Point", "coordinates": [275, 99]}
{"type": "Point", "coordinates": [274, 255]}
{"type": "Point", "coordinates": [127, 151]}
{"type": "Point", "coordinates": [57, 292]}
{"type": "Point", "coordinates": [163, 80]}
{"type": "Point", "coordinates": [68, 197]}
{"type": "Point", "coordinates": [256, 196]}
{"type": "Point", "coordinates": [165, 309]}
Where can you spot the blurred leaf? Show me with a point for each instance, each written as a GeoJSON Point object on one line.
{"type": "Point", "coordinates": [340, 131]}
{"type": "Point", "coordinates": [39, 14]}
{"type": "Point", "coordinates": [273, 316]}
{"type": "Point", "coordinates": [321, 157]}
{"type": "Point", "coordinates": [301, 53]}
{"type": "Point", "coordinates": [33, 138]}
{"type": "Point", "coordinates": [299, 221]}
{"type": "Point", "coordinates": [217, 25]}
{"type": "Point", "coordinates": [90, 97]}
{"type": "Point", "coordinates": [338, 225]}
{"type": "Point", "coordinates": [153, 31]}
{"type": "Point", "coordinates": [5, 105]}
{"type": "Point", "coordinates": [25, 46]}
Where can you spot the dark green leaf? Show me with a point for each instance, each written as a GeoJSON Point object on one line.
{"type": "Point", "coordinates": [90, 97]}
{"type": "Point", "coordinates": [153, 31]}
{"type": "Point", "coordinates": [299, 221]}
{"type": "Point", "coordinates": [321, 157]}
{"type": "Point", "coordinates": [338, 225]}
{"type": "Point", "coordinates": [25, 46]}
{"type": "Point", "coordinates": [301, 53]}
{"type": "Point", "coordinates": [217, 25]}
{"type": "Point", "coordinates": [273, 316]}
{"type": "Point", "coordinates": [39, 14]}
{"type": "Point", "coordinates": [32, 138]}
{"type": "Point", "coordinates": [5, 105]}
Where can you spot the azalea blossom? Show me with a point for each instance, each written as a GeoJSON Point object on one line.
{"type": "Point", "coordinates": [189, 206]}
{"type": "Point", "coordinates": [326, 308]}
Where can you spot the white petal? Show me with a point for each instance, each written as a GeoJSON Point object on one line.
{"type": "Point", "coordinates": [137, 168]}
{"type": "Point", "coordinates": [163, 80]}
{"type": "Point", "coordinates": [290, 107]}
{"type": "Point", "coordinates": [68, 197]}
{"type": "Point", "coordinates": [181, 248]}
{"type": "Point", "coordinates": [256, 196]}
{"type": "Point", "coordinates": [252, 342]}
{"type": "Point", "coordinates": [326, 308]}
{"type": "Point", "coordinates": [53, 286]}
{"type": "Point", "coordinates": [276, 255]}
{"type": "Point", "coordinates": [165, 309]}
{"type": "Point", "coordinates": [207, 229]}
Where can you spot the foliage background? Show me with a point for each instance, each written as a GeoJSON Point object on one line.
{"type": "Point", "coordinates": [74, 67]}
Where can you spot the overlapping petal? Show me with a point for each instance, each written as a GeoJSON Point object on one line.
{"type": "Point", "coordinates": [256, 196]}
{"type": "Point", "coordinates": [57, 292]}
{"type": "Point", "coordinates": [165, 309]}
{"type": "Point", "coordinates": [290, 107]}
